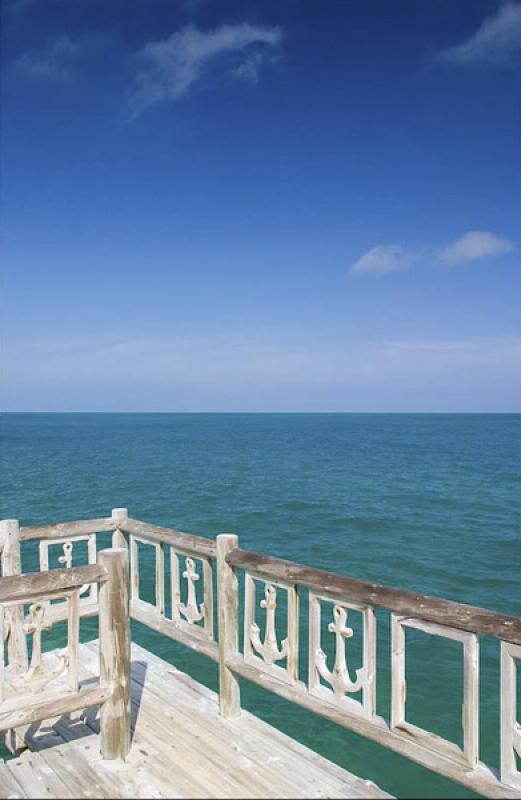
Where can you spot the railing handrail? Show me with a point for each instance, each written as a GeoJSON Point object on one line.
{"type": "Point", "coordinates": [400, 601]}
{"type": "Point", "coordinates": [186, 542]}
{"type": "Point", "coordinates": [58, 530]}
{"type": "Point", "coordinates": [30, 586]}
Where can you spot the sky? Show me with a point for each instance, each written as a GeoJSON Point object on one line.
{"type": "Point", "coordinates": [211, 205]}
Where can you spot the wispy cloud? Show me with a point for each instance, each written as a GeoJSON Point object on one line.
{"type": "Point", "coordinates": [255, 371]}
{"type": "Point", "coordinates": [56, 61]}
{"type": "Point", "coordinates": [171, 67]}
{"type": "Point", "coordinates": [472, 246]}
{"type": "Point", "coordinates": [496, 41]}
{"type": "Point", "coordinates": [383, 259]}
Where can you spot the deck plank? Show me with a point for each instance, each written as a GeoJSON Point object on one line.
{"type": "Point", "coordinates": [253, 756]}
{"type": "Point", "coordinates": [181, 747]}
{"type": "Point", "coordinates": [10, 788]}
{"type": "Point", "coordinates": [201, 706]}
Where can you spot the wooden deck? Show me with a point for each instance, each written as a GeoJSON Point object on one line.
{"type": "Point", "coordinates": [181, 747]}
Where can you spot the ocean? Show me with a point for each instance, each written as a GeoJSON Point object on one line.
{"type": "Point", "coordinates": [425, 502]}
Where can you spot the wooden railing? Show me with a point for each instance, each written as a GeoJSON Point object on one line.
{"type": "Point", "coordinates": [184, 611]}
{"type": "Point", "coordinates": [34, 690]}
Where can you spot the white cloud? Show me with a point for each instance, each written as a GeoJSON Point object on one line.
{"type": "Point", "coordinates": [474, 245]}
{"type": "Point", "coordinates": [383, 259]}
{"type": "Point", "coordinates": [172, 66]}
{"type": "Point", "coordinates": [497, 40]}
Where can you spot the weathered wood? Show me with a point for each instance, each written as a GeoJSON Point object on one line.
{"type": "Point", "coordinates": [73, 637]}
{"type": "Point", "coordinates": [179, 631]}
{"type": "Point", "coordinates": [134, 569]}
{"type": "Point", "coordinates": [31, 586]}
{"type": "Point", "coordinates": [57, 612]}
{"type": "Point", "coordinates": [67, 530]}
{"type": "Point", "coordinates": [183, 542]}
{"type": "Point", "coordinates": [339, 679]}
{"type": "Point", "coordinates": [119, 517]}
{"type": "Point", "coordinates": [89, 592]}
{"type": "Point", "coordinates": [228, 614]}
{"type": "Point", "coordinates": [160, 580]}
{"type": "Point", "coordinates": [265, 654]}
{"type": "Point", "coordinates": [12, 566]}
{"type": "Point", "coordinates": [253, 757]}
{"type": "Point", "coordinates": [9, 785]}
{"type": "Point", "coordinates": [482, 779]}
{"type": "Point", "coordinates": [114, 628]}
{"type": "Point", "coordinates": [36, 779]}
{"type": "Point", "coordinates": [510, 728]}
{"type": "Point", "coordinates": [62, 702]}
{"type": "Point", "coordinates": [469, 755]}
{"type": "Point", "coordinates": [432, 609]}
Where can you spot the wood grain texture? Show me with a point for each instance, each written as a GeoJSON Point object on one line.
{"type": "Point", "coordinates": [66, 530]}
{"type": "Point", "coordinates": [119, 516]}
{"type": "Point", "coordinates": [431, 609]}
{"type": "Point", "coordinates": [228, 615]}
{"type": "Point", "coordinates": [181, 632]}
{"type": "Point", "coordinates": [62, 702]}
{"type": "Point", "coordinates": [183, 542]}
{"type": "Point", "coordinates": [424, 750]}
{"type": "Point", "coordinates": [14, 617]}
{"type": "Point", "coordinates": [34, 585]}
{"type": "Point", "coordinates": [114, 629]}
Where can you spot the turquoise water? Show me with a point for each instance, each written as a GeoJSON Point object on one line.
{"type": "Point", "coordinates": [430, 503]}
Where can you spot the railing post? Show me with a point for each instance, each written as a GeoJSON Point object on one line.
{"type": "Point", "coordinates": [228, 612]}
{"type": "Point", "coordinates": [118, 537]}
{"type": "Point", "coordinates": [114, 648]}
{"type": "Point", "coordinates": [12, 565]}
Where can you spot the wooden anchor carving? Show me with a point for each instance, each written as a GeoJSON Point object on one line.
{"type": "Point", "coordinates": [37, 676]}
{"type": "Point", "coordinates": [339, 677]}
{"type": "Point", "coordinates": [269, 649]}
{"type": "Point", "coordinates": [66, 559]}
{"type": "Point", "coordinates": [191, 611]}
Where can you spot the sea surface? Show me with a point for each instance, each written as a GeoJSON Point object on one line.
{"type": "Point", "coordinates": [426, 502]}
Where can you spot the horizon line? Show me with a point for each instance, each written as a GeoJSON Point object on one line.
{"type": "Point", "coordinates": [264, 412]}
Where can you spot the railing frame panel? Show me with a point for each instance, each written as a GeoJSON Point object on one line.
{"type": "Point", "coordinates": [433, 615]}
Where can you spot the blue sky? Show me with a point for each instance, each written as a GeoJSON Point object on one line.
{"type": "Point", "coordinates": [247, 206]}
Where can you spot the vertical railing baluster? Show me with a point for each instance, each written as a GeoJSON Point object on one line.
{"type": "Point", "coordinates": [73, 639]}
{"type": "Point", "coordinates": [398, 684]}
{"type": "Point", "coordinates": [228, 612]}
{"type": "Point", "coordinates": [510, 728]}
{"type": "Point", "coordinates": [134, 569]}
{"type": "Point", "coordinates": [2, 656]}
{"type": "Point", "coordinates": [293, 633]}
{"type": "Point", "coordinates": [160, 580]}
{"type": "Point", "coordinates": [471, 701]}
{"type": "Point", "coordinates": [208, 597]}
{"type": "Point", "coordinates": [370, 643]}
{"type": "Point", "coordinates": [175, 588]}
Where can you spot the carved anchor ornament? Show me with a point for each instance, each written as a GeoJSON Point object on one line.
{"type": "Point", "coordinates": [37, 676]}
{"type": "Point", "coordinates": [66, 559]}
{"type": "Point", "coordinates": [339, 678]}
{"type": "Point", "coordinates": [191, 611]}
{"type": "Point", "coordinates": [269, 649]}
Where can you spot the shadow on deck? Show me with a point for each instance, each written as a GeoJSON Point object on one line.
{"type": "Point", "coordinates": [181, 747]}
